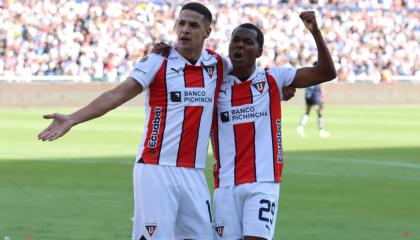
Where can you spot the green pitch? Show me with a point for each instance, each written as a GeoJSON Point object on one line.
{"type": "Point", "coordinates": [361, 184]}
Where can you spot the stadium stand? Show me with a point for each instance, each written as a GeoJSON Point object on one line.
{"type": "Point", "coordinates": [370, 40]}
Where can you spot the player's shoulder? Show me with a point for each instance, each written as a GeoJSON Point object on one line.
{"type": "Point", "coordinates": [151, 59]}
{"type": "Point", "coordinates": [279, 69]}
{"type": "Point", "coordinates": [283, 72]}
{"type": "Point", "coordinates": [211, 52]}
{"type": "Point", "coordinates": [146, 68]}
{"type": "Point", "coordinates": [209, 56]}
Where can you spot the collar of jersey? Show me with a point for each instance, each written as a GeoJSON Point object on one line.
{"type": "Point", "coordinates": [175, 53]}
{"type": "Point", "coordinates": [252, 77]}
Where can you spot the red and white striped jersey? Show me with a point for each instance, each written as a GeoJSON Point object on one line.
{"type": "Point", "coordinates": [179, 104]}
{"type": "Point", "coordinates": [246, 134]}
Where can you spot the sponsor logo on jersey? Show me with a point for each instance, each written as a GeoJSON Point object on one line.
{"type": "Point", "coordinates": [196, 96]}
{"type": "Point", "coordinates": [224, 116]}
{"type": "Point", "coordinates": [155, 128]}
{"type": "Point", "coordinates": [176, 96]}
{"type": "Point", "coordinates": [223, 91]}
{"type": "Point", "coordinates": [190, 96]}
{"type": "Point", "coordinates": [219, 230]}
{"type": "Point", "coordinates": [151, 227]}
{"type": "Point", "coordinates": [210, 70]}
{"type": "Point", "coordinates": [259, 86]}
{"type": "Point", "coordinates": [267, 227]}
{"type": "Point", "coordinates": [279, 146]}
{"type": "Point", "coordinates": [244, 113]}
{"type": "Point", "coordinates": [178, 70]}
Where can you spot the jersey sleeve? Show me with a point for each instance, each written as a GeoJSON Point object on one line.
{"type": "Point", "coordinates": [284, 75]}
{"type": "Point", "coordinates": [145, 70]}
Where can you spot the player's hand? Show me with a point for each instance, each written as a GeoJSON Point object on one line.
{"type": "Point", "coordinates": [60, 125]}
{"type": "Point", "coordinates": [309, 19]}
{"type": "Point", "coordinates": [288, 93]}
{"type": "Point", "coordinates": [162, 49]}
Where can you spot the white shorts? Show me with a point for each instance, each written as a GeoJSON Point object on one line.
{"type": "Point", "coordinates": [246, 210]}
{"type": "Point", "coordinates": [171, 203]}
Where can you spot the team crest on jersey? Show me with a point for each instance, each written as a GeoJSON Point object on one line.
{"type": "Point", "coordinates": [219, 230]}
{"type": "Point", "coordinates": [259, 86]}
{"type": "Point", "coordinates": [210, 70]}
{"type": "Point", "coordinates": [151, 227]}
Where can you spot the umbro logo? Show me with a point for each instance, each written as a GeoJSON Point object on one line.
{"type": "Point", "coordinates": [177, 70]}
{"type": "Point", "coordinates": [224, 116]}
{"type": "Point", "coordinates": [175, 96]}
{"type": "Point", "coordinates": [259, 86]}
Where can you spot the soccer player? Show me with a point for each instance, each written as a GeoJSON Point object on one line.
{"type": "Point", "coordinates": [171, 196]}
{"type": "Point", "coordinates": [313, 97]}
{"type": "Point", "coordinates": [246, 133]}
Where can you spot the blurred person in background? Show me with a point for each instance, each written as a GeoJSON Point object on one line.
{"type": "Point", "coordinates": [314, 97]}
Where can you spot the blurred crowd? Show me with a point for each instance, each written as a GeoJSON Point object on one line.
{"type": "Point", "coordinates": [104, 39]}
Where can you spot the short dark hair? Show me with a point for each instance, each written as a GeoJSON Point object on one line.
{"type": "Point", "coordinates": [200, 8]}
{"type": "Point", "coordinates": [260, 36]}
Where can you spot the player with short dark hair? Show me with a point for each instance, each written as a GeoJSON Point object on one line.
{"type": "Point", "coordinates": [246, 133]}
{"type": "Point", "coordinates": [201, 9]}
{"type": "Point", "coordinates": [171, 196]}
{"type": "Point", "coordinates": [259, 37]}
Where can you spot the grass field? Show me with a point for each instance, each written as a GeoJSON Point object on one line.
{"type": "Point", "coordinates": [361, 184]}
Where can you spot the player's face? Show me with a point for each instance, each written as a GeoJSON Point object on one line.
{"type": "Point", "coordinates": [244, 48]}
{"type": "Point", "coordinates": [191, 31]}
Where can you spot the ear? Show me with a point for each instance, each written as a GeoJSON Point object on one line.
{"type": "Point", "coordinates": [208, 31]}
{"type": "Point", "coordinates": [259, 53]}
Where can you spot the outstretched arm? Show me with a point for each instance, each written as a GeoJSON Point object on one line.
{"type": "Point", "coordinates": [104, 103]}
{"type": "Point", "coordinates": [324, 70]}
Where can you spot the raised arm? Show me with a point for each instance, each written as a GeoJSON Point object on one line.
{"type": "Point", "coordinates": [104, 103]}
{"type": "Point", "coordinates": [324, 70]}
